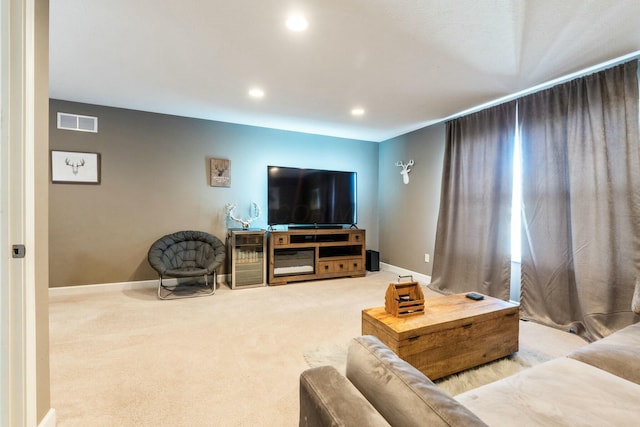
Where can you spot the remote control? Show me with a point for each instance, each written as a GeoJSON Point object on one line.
{"type": "Point", "coordinates": [475, 296]}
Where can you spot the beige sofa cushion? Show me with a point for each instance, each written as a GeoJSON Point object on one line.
{"type": "Point", "coordinates": [401, 393]}
{"type": "Point", "coordinates": [561, 392]}
{"type": "Point", "coordinates": [619, 353]}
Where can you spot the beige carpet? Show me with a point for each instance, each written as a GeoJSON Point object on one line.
{"type": "Point", "coordinates": [124, 358]}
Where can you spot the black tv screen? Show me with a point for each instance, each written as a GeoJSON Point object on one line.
{"type": "Point", "coordinates": [311, 196]}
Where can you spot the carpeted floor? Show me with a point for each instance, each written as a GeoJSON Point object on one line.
{"type": "Point", "coordinates": [125, 358]}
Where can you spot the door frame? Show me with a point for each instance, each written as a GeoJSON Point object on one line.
{"type": "Point", "coordinates": [18, 367]}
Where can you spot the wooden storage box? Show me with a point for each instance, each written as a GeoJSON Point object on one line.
{"type": "Point", "coordinates": [404, 299]}
{"type": "Point", "coordinates": [455, 334]}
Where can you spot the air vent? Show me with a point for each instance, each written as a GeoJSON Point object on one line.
{"type": "Point", "coordinates": [76, 122]}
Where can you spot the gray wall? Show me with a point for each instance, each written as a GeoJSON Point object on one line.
{"type": "Point", "coordinates": [409, 213]}
{"type": "Point", "coordinates": [154, 180]}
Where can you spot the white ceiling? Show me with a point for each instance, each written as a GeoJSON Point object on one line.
{"type": "Point", "coordinates": [408, 63]}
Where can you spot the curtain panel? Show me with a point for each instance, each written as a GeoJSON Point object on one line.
{"type": "Point", "coordinates": [472, 248]}
{"type": "Point", "coordinates": [581, 202]}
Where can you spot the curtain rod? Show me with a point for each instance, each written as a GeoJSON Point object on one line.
{"type": "Point", "coordinates": [543, 86]}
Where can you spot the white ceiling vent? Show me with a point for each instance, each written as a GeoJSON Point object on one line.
{"type": "Point", "coordinates": [76, 122]}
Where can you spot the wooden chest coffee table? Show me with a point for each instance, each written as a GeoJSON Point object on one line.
{"type": "Point", "coordinates": [455, 333]}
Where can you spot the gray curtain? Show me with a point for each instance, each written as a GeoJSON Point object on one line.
{"type": "Point", "coordinates": [581, 202]}
{"type": "Point", "coordinates": [472, 250]}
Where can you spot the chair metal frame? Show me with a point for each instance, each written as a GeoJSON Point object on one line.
{"type": "Point", "coordinates": [171, 289]}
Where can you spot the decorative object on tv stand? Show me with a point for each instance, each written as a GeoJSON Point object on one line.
{"type": "Point", "coordinates": [406, 168]}
{"type": "Point", "coordinates": [244, 222]}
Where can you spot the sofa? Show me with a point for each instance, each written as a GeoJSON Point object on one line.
{"type": "Point", "coordinates": [595, 385]}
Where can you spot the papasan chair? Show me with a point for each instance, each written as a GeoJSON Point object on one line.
{"type": "Point", "coordinates": [186, 254]}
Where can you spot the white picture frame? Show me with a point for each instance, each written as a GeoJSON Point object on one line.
{"type": "Point", "coordinates": [75, 167]}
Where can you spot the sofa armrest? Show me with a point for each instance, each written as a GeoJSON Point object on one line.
{"type": "Point", "coordinates": [618, 353]}
{"type": "Point", "coordinates": [329, 399]}
{"type": "Point", "coordinates": [403, 395]}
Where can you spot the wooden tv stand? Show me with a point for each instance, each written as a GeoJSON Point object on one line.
{"type": "Point", "coordinates": [310, 254]}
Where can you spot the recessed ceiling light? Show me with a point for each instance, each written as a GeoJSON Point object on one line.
{"type": "Point", "coordinates": [357, 112]}
{"type": "Point", "coordinates": [297, 23]}
{"type": "Point", "coordinates": [256, 92]}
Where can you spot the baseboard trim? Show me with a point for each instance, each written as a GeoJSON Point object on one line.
{"type": "Point", "coordinates": [119, 286]}
{"type": "Point", "coordinates": [423, 279]}
{"type": "Point", "coordinates": [102, 287]}
{"type": "Point", "coordinates": [49, 420]}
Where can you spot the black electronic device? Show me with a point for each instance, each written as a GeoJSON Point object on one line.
{"type": "Point", "coordinates": [372, 260]}
{"type": "Point", "coordinates": [297, 196]}
{"type": "Point", "coordinates": [475, 296]}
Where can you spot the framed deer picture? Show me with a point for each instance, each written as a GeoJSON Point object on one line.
{"type": "Point", "coordinates": [220, 172]}
{"type": "Point", "coordinates": [74, 167]}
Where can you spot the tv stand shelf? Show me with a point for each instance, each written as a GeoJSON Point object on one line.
{"type": "Point", "coordinates": [310, 254]}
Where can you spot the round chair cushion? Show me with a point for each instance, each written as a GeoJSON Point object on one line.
{"type": "Point", "coordinates": [186, 254]}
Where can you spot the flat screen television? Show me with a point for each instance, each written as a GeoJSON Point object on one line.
{"type": "Point", "coordinates": [311, 197]}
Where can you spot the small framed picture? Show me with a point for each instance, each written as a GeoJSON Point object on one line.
{"type": "Point", "coordinates": [74, 167]}
{"type": "Point", "coordinates": [220, 172]}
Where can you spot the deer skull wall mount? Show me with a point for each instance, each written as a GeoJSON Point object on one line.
{"type": "Point", "coordinates": [75, 165]}
{"type": "Point", "coordinates": [229, 207]}
{"type": "Point", "coordinates": [406, 168]}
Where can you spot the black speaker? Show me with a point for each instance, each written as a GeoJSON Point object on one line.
{"type": "Point", "coordinates": [372, 260]}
